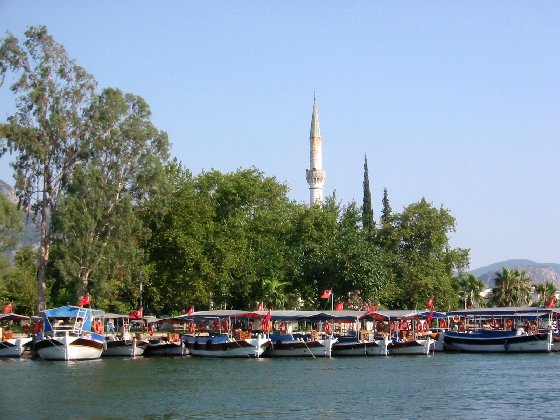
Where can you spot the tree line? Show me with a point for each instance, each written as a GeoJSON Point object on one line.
{"type": "Point", "coordinates": [122, 221]}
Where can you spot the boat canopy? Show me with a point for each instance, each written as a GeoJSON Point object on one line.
{"type": "Point", "coordinates": [13, 317]}
{"type": "Point", "coordinates": [71, 312]}
{"type": "Point", "coordinates": [511, 311]}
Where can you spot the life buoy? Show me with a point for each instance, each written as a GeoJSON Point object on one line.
{"type": "Point", "coordinates": [151, 329]}
{"type": "Point", "coordinates": [394, 326]}
{"type": "Point", "coordinates": [527, 325]}
{"type": "Point", "coordinates": [38, 327]}
{"type": "Point", "coordinates": [426, 327]}
{"type": "Point", "coordinates": [201, 326]}
{"type": "Point", "coordinates": [508, 324]}
{"type": "Point", "coordinates": [26, 329]}
{"type": "Point", "coordinates": [534, 328]}
{"type": "Point", "coordinates": [419, 326]}
{"type": "Point", "coordinates": [250, 327]}
{"type": "Point", "coordinates": [405, 325]}
{"type": "Point", "coordinates": [191, 327]}
{"type": "Point", "coordinates": [379, 326]}
{"type": "Point", "coordinates": [462, 327]}
{"type": "Point", "coordinates": [456, 319]}
{"type": "Point", "coordinates": [443, 323]}
{"type": "Point", "coordinates": [328, 328]}
{"type": "Point", "coordinates": [284, 327]}
{"type": "Point", "coordinates": [225, 325]}
{"type": "Point", "coordinates": [266, 325]}
{"type": "Point", "coordinates": [97, 327]}
{"type": "Point", "coordinates": [216, 324]}
{"type": "Point", "coordinates": [7, 335]}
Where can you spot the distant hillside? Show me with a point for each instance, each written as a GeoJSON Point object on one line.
{"type": "Point", "coordinates": [31, 233]}
{"type": "Point", "coordinates": [537, 272]}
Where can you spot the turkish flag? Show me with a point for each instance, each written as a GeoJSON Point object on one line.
{"type": "Point", "coordinates": [550, 304]}
{"type": "Point", "coordinates": [372, 309]}
{"type": "Point", "coordinates": [339, 307]}
{"type": "Point", "coordinates": [137, 314]}
{"type": "Point", "coordinates": [190, 311]}
{"type": "Point", "coordinates": [430, 302]}
{"type": "Point", "coordinates": [267, 317]}
{"type": "Point", "coordinates": [8, 308]}
{"type": "Point", "coordinates": [84, 301]}
{"type": "Point", "coordinates": [261, 306]}
{"type": "Point", "coordinates": [326, 294]}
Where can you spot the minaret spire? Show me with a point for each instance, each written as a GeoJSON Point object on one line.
{"type": "Point", "coordinates": [315, 175]}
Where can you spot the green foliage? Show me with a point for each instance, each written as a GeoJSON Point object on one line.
{"type": "Point", "coordinates": [368, 222]}
{"type": "Point", "coordinates": [98, 241]}
{"type": "Point", "coordinates": [513, 288]}
{"type": "Point", "coordinates": [545, 292]}
{"type": "Point", "coordinates": [468, 288]}
{"type": "Point", "coordinates": [50, 130]}
{"type": "Point", "coordinates": [19, 282]}
{"type": "Point", "coordinates": [423, 263]}
{"type": "Point", "coordinates": [11, 223]}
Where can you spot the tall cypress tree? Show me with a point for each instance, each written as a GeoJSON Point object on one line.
{"type": "Point", "coordinates": [386, 212]}
{"type": "Point", "coordinates": [367, 212]}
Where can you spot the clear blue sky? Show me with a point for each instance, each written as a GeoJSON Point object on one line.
{"type": "Point", "coordinates": [457, 102]}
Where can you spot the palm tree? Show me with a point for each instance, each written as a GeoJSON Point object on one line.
{"type": "Point", "coordinates": [274, 292]}
{"type": "Point", "coordinates": [469, 288]}
{"type": "Point", "coordinates": [513, 288]}
{"type": "Point", "coordinates": [545, 291]}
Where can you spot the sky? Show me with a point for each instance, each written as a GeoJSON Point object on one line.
{"type": "Point", "coordinates": [455, 102]}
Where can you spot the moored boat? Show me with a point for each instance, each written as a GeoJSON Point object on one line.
{"type": "Point", "coordinates": [70, 333]}
{"type": "Point", "coordinates": [168, 345]}
{"type": "Point", "coordinates": [500, 330]}
{"type": "Point", "coordinates": [119, 340]}
{"type": "Point", "coordinates": [12, 346]}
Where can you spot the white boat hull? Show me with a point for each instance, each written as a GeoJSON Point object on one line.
{"type": "Point", "coordinates": [13, 347]}
{"type": "Point", "coordinates": [363, 348]}
{"type": "Point", "coordinates": [300, 348]}
{"type": "Point", "coordinates": [68, 347]}
{"type": "Point", "coordinates": [165, 348]}
{"type": "Point", "coordinates": [124, 348]}
{"type": "Point", "coordinates": [250, 347]}
{"type": "Point", "coordinates": [421, 346]}
{"type": "Point", "coordinates": [513, 344]}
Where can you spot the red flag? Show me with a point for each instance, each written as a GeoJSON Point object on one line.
{"type": "Point", "coordinates": [430, 302]}
{"type": "Point", "coordinates": [137, 314]}
{"type": "Point", "coordinates": [372, 309]}
{"type": "Point", "coordinates": [549, 305]}
{"type": "Point", "coordinates": [267, 317]}
{"type": "Point", "coordinates": [84, 300]}
{"type": "Point", "coordinates": [431, 316]}
{"type": "Point", "coordinates": [326, 294]}
{"type": "Point", "coordinates": [261, 306]}
{"type": "Point", "coordinates": [8, 308]}
{"type": "Point", "coordinates": [190, 311]}
{"type": "Point", "coordinates": [339, 307]}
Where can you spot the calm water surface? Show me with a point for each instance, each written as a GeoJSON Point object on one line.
{"type": "Point", "coordinates": [441, 386]}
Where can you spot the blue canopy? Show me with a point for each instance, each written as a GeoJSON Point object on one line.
{"type": "Point", "coordinates": [70, 312]}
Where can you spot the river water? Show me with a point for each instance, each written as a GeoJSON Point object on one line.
{"type": "Point", "coordinates": [472, 386]}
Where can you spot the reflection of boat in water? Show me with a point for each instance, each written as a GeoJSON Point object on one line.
{"type": "Point", "coordinates": [70, 333]}
{"type": "Point", "coordinates": [352, 346]}
{"type": "Point", "coordinates": [11, 345]}
{"type": "Point", "coordinates": [119, 341]}
{"type": "Point", "coordinates": [418, 346]}
{"type": "Point", "coordinates": [500, 330]}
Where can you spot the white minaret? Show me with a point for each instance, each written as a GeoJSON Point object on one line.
{"type": "Point", "coordinates": [315, 175]}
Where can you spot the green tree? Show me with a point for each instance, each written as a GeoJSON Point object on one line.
{"type": "Point", "coordinates": [469, 289]}
{"type": "Point", "coordinates": [98, 222]}
{"type": "Point", "coordinates": [513, 288]}
{"type": "Point", "coordinates": [368, 221]}
{"type": "Point", "coordinates": [11, 223]}
{"type": "Point", "coordinates": [20, 282]}
{"type": "Point", "coordinates": [50, 131]}
{"type": "Point", "coordinates": [387, 211]}
{"type": "Point", "coordinates": [545, 292]}
{"type": "Point", "coordinates": [422, 260]}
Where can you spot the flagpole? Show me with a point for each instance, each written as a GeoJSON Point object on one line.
{"type": "Point", "coordinates": [332, 301]}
